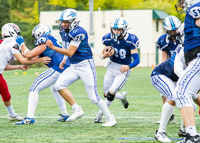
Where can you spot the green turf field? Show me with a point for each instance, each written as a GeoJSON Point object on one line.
{"type": "Point", "coordinates": [145, 101]}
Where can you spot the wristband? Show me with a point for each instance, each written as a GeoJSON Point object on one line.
{"type": "Point", "coordinates": [102, 57]}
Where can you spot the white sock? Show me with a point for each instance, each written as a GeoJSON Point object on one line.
{"type": "Point", "coordinates": [101, 104]}
{"type": "Point", "coordinates": [191, 130]}
{"type": "Point", "coordinates": [108, 103]}
{"type": "Point", "coordinates": [32, 104]}
{"type": "Point", "coordinates": [74, 107]}
{"type": "Point", "coordinates": [60, 101]}
{"type": "Point", "coordinates": [118, 96]}
{"type": "Point", "coordinates": [64, 112]}
{"type": "Point", "coordinates": [182, 126]}
{"type": "Point", "coordinates": [10, 110]}
{"type": "Point", "coordinates": [167, 111]}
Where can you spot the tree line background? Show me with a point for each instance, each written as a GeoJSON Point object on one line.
{"type": "Point", "coordinates": [25, 13]}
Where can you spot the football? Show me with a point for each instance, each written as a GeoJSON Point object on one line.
{"type": "Point", "coordinates": [108, 48]}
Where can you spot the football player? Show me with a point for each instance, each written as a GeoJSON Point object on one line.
{"type": "Point", "coordinates": [10, 49]}
{"type": "Point", "coordinates": [75, 41]}
{"type": "Point", "coordinates": [41, 33]}
{"type": "Point", "coordinates": [188, 82]}
{"type": "Point", "coordinates": [168, 43]}
{"type": "Point", "coordinates": [123, 47]}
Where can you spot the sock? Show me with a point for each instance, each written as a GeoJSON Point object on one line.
{"type": "Point", "coordinates": [10, 110]}
{"type": "Point", "coordinates": [167, 111]}
{"type": "Point", "coordinates": [191, 130]}
{"type": "Point", "coordinates": [32, 104]}
{"type": "Point", "coordinates": [74, 107]}
{"type": "Point", "coordinates": [64, 112]}
{"type": "Point", "coordinates": [182, 126]}
{"type": "Point", "coordinates": [101, 104]}
{"type": "Point", "coordinates": [61, 102]}
{"type": "Point", "coordinates": [118, 96]}
{"type": "Point", "coordinates": [108, 103]}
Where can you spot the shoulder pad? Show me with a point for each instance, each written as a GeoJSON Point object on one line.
{"type": "Point", "coordinates": [106, 39]}
{"type": "Point", "coordinates": [133, 39]}
{"type": "Point", "coordinates": [41, 40]}
{"type": "Point", "coordinates": [16, 46]}
{"type": "Point", "coordinates": [194, 11]}
{"type": "Point", "coordinates": [162, 42]}
{"type": "Point", "coordinates": [77, 34]}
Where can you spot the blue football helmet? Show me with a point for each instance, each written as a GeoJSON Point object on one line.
{"type": "Point", "coordinates": [119, 23]}
{"type": "Point", "coordinates": [71, 16]}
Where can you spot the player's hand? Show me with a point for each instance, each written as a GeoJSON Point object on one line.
{"type": "Point", "coordinates": [45, 60]}
{"type": "Point", "coordinates": [49, 43]}
{"type": "Point", "coordinates": [109, 53]}
{"type": "Point", "coordinates": [124, 68]}
{"type": "Point", "coordinates": [24, 67]}
{"type": "Point", "coordinates": [62, 64]}
{"type": "Point", "coordinates": [20, 40]}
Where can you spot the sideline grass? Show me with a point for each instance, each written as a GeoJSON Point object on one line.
{"type": "Point", "coordinates": [145, 101]}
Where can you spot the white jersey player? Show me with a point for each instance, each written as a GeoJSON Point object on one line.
{"type": "Point", "coordinates": [120, 47]}
{"type": "Point", "coordinates": [10, 49]}
{"type": "Point", "coordinates": [75, 40]}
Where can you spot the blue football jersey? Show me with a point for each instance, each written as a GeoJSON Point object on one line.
{"type": "Point", "coordinates": [166, 45]}
{"type": "Point", "coordinates": [56, 58]}
{"type": "Point", "coordinates": [167, 68]}
{"type": "Point", "coordinates": [191, 30]}
{"type": "Point", "coordinates": [122, 47]}
{"type": "Point", "coordinates": [84, 51]}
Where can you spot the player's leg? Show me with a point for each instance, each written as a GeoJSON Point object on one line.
{"type": "Point", "coordinates": [88, 75]}
{"type": "Point", "coordinates": [166, 87]}
{"type": "Point", "coordinates": [61, 104]}
{"type": "Point", "coordinates": [118, 83]}
{"type": "Point", "coordinates": [186, 87]}
{"type": "Point", "coordinates": [44, 80]}
{"type": "Point", "coordinates": [108, 80]}
{"type": "Point", "coordinates": [68, 77]}
{"type": "Point", "coordinates": [6, 99]}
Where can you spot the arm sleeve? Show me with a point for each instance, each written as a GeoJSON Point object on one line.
{"type": "Point", "coordinates": [135, 62]}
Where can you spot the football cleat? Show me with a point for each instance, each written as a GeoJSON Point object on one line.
{"type": "Point", "coordinates": [124, 101]}
{"type": "Point", "coordinates": [181, 133]}
{"type": "Point", "coordinates": [78, 113]}
{"type": "Point", "coordinates": [26, 121]}
{"type": "Point", "coordinates": [63, 118]}
{"type": "Point", "coordinates": [111, 122]}
{"type": "Point", "coordinates": [161, 136]}
{"type": "Point", "coordinates": [190, 139]}
{"type": "Point", "coordinates": [171, 120]}
{"type": "Point", "coordinates": [98, 117]}
{"type": "Point", "coordinates": [16, 118]}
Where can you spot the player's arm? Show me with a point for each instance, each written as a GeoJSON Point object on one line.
{"type": "Point", "coordinates": [164, 56]}
{"type": "Point", "coordinates": [134, 53]}
{"type": "Point", "coordinates": [33, 53]}
{"type": "Point", "coordinates": [68, 52]}
{"type": "Point", "coordinates": [26, 61]}
{"type": "Point", "coordinates": [197, 22]}
{"type": "Point", "coordinates": [15, 67]}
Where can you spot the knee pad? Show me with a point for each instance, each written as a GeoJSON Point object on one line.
{"type": "Point", "coordinates": [6, 96]}
{"type": "Point", "coordinates": [110, 96]}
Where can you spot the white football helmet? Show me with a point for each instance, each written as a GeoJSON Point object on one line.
{"type": "Point", "coordinates": [40, 30]}
{"type": "Point", "coordinates": [183, 5]}
{"type": "Point", "coordinates": [10, 30]}
{"type": "Point", "coordinates": [181, 31]}
{"type": "Point", "coordinates": [71, 16]}
{"type": "Point", "coordinates": [172, 23]}
{"type": "Point", "coordinates": [119, 23]}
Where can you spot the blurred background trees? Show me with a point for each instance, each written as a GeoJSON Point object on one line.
{"type": "Point", "coordinates": [26, 13]}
